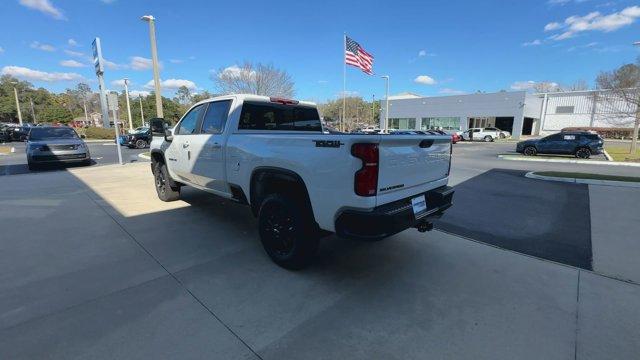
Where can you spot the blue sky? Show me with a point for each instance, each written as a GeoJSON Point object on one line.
{"type": "Point", "coordinates": [427, 47]}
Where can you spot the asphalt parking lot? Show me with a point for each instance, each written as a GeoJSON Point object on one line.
{"type": "Point", "coordinates": [94, 266]}
{"type": "Point", "coordinates": [102, 153]}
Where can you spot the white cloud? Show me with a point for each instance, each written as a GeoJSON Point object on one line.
{"type": "Point", "coordinates": [176, 61]}
{"type": "Point", "coordinates": [530, 85]}
{"type": "Point", "coordinates": [74, 53]}
{"type": "Point", "coordinates": [172, 84]}
{"type": "Point", "coordinates": [1, 50]}
{"type": "Point", "coordinates": [234, 71]}
{"type": "Point", "coordinates": [118, 83]}
{"type": "Point", "coordinates": [595, 21]}
{"type": "Point", "coordinates": [43, 47]}
{"type": "Point", "coordinates": [113, 66]}
{"type": "Point", "coordinates": [72, 63]}
{"type": "Point", "coordinates": [72, 42]}
{"type": "Point", "coordinates": [448, 91]}
{"type": "Point", "coordinates": [422, 53]}
{"type": "Point", "coordinates": [141, 63]}
{"type": "Point", "coordinates": [347, 93]}
{"type": "Point", "coordinates": [37, 75]}
{"type": "Point", "coordinates": [44, 6]}
{"type": "Point", "coordinates": [535, 42]}
{"type": "Point", "coordinates": [552, 26]}
{"type": "Point", "coordinates": [425, 80]}
{"type": "Point", "coordinates": [523, 85]}
{"type": "Point", "coordinates": [138, 93]}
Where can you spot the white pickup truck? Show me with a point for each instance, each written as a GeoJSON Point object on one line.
{"type": "Point", "coordinates": [300, 181]}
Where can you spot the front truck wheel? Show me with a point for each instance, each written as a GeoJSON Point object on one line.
{"type": "Point", "coordinates": [162, 181]}
{"type": "Point", "coordinates": [287, 232]}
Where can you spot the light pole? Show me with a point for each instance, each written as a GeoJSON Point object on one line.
{"type": "Point", "coordinates": [15, 92]}
{"type": "Point", "coordinates": [126, 93]}
{"type": "Point", "coordinates": [154, 58]}
{"type": "Point", "coordinates": [141, 111]}
{"type": "Point", "coordinates": [386, 106]}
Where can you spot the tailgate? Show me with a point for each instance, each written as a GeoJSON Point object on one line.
{"type": "Point", "coordinates": [409, 163]}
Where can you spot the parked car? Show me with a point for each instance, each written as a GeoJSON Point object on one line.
{"type": "Point", "coordinates": [272, 154]}
{"type": "Point", "coordinates": [139, 139]}
{"type": "Point", "coordinates": [581, 144]}
{"type": "Point", "coordinates": [4, 134]}
{"type": "Point", "coordinates": [19, 133]}
{"type": "Point", "coordinates": [454, 136]}
{"type": "Point", "coordinates": [485, 134]}
{"type": "Point", "coordinates": [62, 144]}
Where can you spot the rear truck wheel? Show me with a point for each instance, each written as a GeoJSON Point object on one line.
{"type": "Point", "coordinates": [289, 237]}
{"type": "Point", "coordinates": [487, 138]}
{"type": "Point", "coordinates": [583, 153]}
{"type": "Point", "coordinates": [161, 178]}
{"type": "Point", "coordinates": [530, 151]}
{"type": "Point", "coordinates": [141, 144]}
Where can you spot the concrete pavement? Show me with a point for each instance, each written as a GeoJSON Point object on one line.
{"type": "Point", "coordinates": [94, 266]}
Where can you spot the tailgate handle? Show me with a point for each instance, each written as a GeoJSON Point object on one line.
{"type": "Point", "coordinates": [426, 143]}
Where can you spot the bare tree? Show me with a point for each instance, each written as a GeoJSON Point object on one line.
{"type": "Point", "coordinates": [546, 86]}
{"type": "Point", "coordinates": [256, 79]}
{"type": "Point", "coordinates": [578, 85]}
{"type": "Point", "coordinates": [623, 101]}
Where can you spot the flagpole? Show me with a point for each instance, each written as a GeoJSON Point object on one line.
{"type": "Point", "coordinates": [344, 82]}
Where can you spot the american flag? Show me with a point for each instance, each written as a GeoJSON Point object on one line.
{"type": "Point", "coordinates": [355, 55]}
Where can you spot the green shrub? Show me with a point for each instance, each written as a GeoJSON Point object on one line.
{"type": "Point", "coordinates": [99, 133]}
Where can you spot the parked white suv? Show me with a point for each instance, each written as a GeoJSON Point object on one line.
{"type": "Point", "coordinates": [272, 154]}
{"type": "Point", "coordinates": [485, 134]}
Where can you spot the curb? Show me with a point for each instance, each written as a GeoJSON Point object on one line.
{"type": "Point", "coordinates": [533, 175]}
{"type": "Point", "coordinates": [606, 154]}
{"type": "Point", "coordinates": [568, 161]}
{"type": "Point", "coordinates": [143, 156]}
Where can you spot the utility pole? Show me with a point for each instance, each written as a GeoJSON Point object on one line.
{"type": "Point", "coordinates": [126, 93]}
{"type": "Point", "coordinates": [84, 104]}
{"type": "Point", "coordinates": [386, 106]}
{"type": "Point", "coordinates": [33, 112]}
{"type": "Point", "coordinates": [113, 105]}
{"type": "Point", "coordinates": [373, 108]}
{"type": "Point", "coordinates": [154, 59]}
{"type": "Point", "coordinates": [15, 92]}
{"type": "Point", "coordinates": [141, 111]}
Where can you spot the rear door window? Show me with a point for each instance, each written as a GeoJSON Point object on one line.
{"type": "Point", "coordinates": [270, 116]}
{"type": "Point", "coordinates": [216, 117]}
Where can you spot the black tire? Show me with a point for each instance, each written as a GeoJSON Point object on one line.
{"type": "Point", "coordinates": [502, 136]}
{"type": "Point", "coordinates": [141, 144]}
{"type": "Point", "coordinates": [32, 166]}
{"type": "Point", "coordinates": [287, 232]}
{"type": "Point", "coordinates": [583, 153]}
{"type": "Point", "coordinates": [161, 179]}
{"type": "Point", "coordinates": [487, 138]}
{"type": "Point", "coordinates": [530, 151]}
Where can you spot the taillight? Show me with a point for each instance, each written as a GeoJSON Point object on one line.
{"type": "Point", "coordinates": [366, 179]}
{"type": "Point", "coordinates": [450, 157]}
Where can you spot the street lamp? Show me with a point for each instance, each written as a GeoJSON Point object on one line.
{"type": "Point", "coordinates": [141, 111]}
{"type": "Point", "coordinates": [386, 106]}
{"type": "Point", "coordinates": [126, 93]}
{"type": "Point", "coordinates": [15, 92]}
{"type": "Point", "coordinates": [154, 58]}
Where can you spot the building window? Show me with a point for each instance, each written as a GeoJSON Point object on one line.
{"type": "Point", "coordinates": [444, 123]}
{"type": "Point", "coordinates": [564, 109]}
{"type": "Point", "coordinates": [402, 123]}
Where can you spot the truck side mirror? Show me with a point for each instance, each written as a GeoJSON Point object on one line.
{"type": "Point", "coordinates": [160, 127]}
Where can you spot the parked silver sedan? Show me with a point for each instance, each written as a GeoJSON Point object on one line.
{"type": "Point", "coordinates": [47, 145]}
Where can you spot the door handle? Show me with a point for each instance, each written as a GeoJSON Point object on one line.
{"type": "Point", "coordinates": [185, 145]}
{"type": "Point", "coordinates": [216, 146]}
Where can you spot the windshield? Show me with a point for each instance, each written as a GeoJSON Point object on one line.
{"type": "Point", "coordinates": [52, 133]}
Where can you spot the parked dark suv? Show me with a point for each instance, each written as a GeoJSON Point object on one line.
{"type": "Point", "coordinates": [579, 143]}
{"type": "Point", "coordinates": [139, 139]}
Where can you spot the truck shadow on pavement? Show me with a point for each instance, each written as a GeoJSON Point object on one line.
{"type": "Point", "coordinates": [501, 207]}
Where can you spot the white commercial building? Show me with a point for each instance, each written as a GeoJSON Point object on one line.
{"type": "Point", "coordinates": [518, 112]}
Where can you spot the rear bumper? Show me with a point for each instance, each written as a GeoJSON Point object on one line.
{"type": "Point", "coordinates": [392, 218]}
